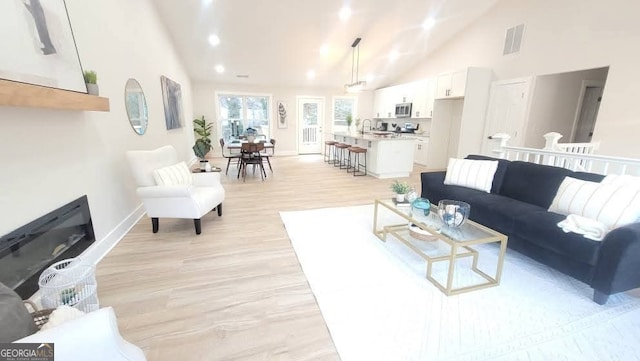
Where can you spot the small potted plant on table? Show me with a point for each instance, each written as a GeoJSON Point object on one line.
{"type": "Point", "coordinates": [400, 189]}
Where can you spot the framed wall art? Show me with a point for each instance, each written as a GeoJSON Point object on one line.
{"type": "Point", "coordinates": [38, 45]}
{"type": "Point", "coordinates": [282, 114]}
{"type": "Point", "coordinates": [172, 99]}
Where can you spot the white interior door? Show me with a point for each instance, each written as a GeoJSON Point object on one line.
{"type": "Point", "coordinates": [310, 119]}
{"type": "Point", "coordinates": [588, 114]}
{"type": "Point", "coordinates": [507, 112]}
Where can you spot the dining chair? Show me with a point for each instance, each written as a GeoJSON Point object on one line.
{"type": "Point", "coordinates": [251, 153]}
{"type": "Point", "coordinates": [266, 155]}
{"type": "Point", "coordinates": [229, 156]}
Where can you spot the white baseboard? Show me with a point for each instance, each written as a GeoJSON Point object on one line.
{"type": "Point", "coordinates": [100, 248]}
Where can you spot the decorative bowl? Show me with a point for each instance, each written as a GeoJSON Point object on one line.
{"type": "Point", "coordinates": [453, 213]}
{"type": "Point", "coordinates": [420, 208]}
{"type": "Point", "coordinates": [420, 234]}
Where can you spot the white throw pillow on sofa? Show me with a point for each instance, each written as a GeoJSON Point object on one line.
{"type": "Point", "coordinates": [624, 179]}
{"type": "Point", "coordinates": [614, 205]}
{"type": "Point", "coordinates": [475, 174]}
{"type": "Point", "coordinates": [177, 174]}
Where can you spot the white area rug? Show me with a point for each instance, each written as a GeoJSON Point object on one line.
{"type": "Point", "coordinates": [379, 306]}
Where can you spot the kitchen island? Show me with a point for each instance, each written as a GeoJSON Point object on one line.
{"type": "Point", "coordinates": [388, 155]}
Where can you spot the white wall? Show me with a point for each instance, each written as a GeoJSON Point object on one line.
{"type": "Point", "coordinates": [560, 36]}
{"type": "Point", "coordinates": [204, 94]}
{"type": "Point", "coordinates": [51, 157]}
{"type": "Point", "coordinates": [554, 103]}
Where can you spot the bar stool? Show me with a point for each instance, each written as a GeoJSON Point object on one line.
{"type": "Point", "coordinates": [356, 167]}
{"type": "Point", "coordinates": [327, 154]}
{"type": "Point", "coordinates": [338, 156]}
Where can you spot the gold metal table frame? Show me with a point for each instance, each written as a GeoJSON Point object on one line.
{"type": "Point", "coordinates": [470, 234]}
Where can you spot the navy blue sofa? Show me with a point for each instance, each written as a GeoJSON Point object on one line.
{"type": "Point", "coordinates": [517, 206]}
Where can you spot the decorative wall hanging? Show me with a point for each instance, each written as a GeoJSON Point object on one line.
{"type": "Point", "coordinates": [38, 45]}
{"type": "Point", "coordinates": [172, 99]}
{"type": "Point", "coordinates": [282, 114]}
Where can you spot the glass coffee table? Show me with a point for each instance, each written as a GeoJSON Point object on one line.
{"type": "Point", "coordinates": [441, 246]}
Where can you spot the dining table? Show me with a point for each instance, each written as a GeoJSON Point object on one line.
{"type": "Point", "coordinates": [237, 144]}
{"type": "Point", "coordinates": [235, 147]}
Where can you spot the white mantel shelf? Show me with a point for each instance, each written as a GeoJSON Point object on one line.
{"type": "Point", "coordinates": [16, 94]}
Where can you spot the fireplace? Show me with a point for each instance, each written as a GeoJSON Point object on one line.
{"type": "Point", "coordinates": [24, 253]}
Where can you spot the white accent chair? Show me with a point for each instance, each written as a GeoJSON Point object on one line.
{"type": "Point", "coordinates": [94, 336]}
{"type": "Point", "coordinates": [175, 201]}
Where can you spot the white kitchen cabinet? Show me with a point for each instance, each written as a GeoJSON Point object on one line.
{"type": "Point", "coordinates": [422, 99]}
{"type": "Point", "coordinates": [457, 126]}
{"type": "Point", "coordinates": [419, 93]}
{"type": "Point", "coordinates": [391, 158]}
{"type": "Point", "coordinates": [386, 157]}
{"type": "Point", "coordinates": [384, 101]}
{"type": "Point", "coordinates": [420, 154]}
{"type": "Point", "coordinates": [428, 108]}
{"type": "Point", "coordinates": [451, 85]}
{"type": "Point", "coordinates": [377, 103]}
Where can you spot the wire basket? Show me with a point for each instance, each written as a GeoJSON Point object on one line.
{"type": "Point", "coordinates": [69, 282]}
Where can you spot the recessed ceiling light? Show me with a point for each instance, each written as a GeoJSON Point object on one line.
{"type": "Point", "coordinates": [429, 23]}
{"type": "Point", "coordinates": [324, 50]}
{"type": "Point", "coordinates": [220, 68]}
{"type": "Point", "coordinates": [214, 40]}
{"type": "Point", "coordinates": [393, 55]}
{"type": "Point", "coordinates": [311, 75]}
{"type": "Point", "coordinates": [345, 13]}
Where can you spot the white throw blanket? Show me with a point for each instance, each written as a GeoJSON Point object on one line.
{"type": "Point", "coordinates": [61, 315]}
{"type": "Point", "coordinates": [588, 227]}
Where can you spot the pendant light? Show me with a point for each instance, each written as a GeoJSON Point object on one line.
{"type": "Point", "coordinates": [355, 86]}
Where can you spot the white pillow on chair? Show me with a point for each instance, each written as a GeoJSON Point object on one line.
{"type": "Point", "coordinates": [470, 173]}
{"type": "Point", "coordinates": [177, 174]}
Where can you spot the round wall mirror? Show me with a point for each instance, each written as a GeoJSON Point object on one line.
{"type": "Point", "coordinates": [136, 106]}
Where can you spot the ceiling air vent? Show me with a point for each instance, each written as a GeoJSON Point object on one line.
{"type": "Point", "coordinates": [242, 75]}
{"type": "Point", "coordinates": [513, 39]}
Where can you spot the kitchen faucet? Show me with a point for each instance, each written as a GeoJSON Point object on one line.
{"type": "Point", "coordinates": [362, 131]}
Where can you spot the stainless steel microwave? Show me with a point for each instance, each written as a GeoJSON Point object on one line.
{"type": "Point", "coordinates": [403, 110]}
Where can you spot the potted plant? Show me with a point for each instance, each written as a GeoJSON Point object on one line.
{"type": "Point", "coordinates": [349, 120]}
{"type": "Point", "coordinates": [401, 189]}
{"type": "Point", "coordinates": [91, 79]}
{"type": "Point", "coordinates": [202, 145]}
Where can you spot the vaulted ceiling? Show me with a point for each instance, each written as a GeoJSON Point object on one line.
{"type": "Point", "coordinates": [278, 42]}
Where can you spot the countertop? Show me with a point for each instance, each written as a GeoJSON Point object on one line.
{"type": "Point", "coordinates": [377, 137]}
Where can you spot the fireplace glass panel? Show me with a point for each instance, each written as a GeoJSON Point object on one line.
{"type": "Point", "coordinates": [27, 251]}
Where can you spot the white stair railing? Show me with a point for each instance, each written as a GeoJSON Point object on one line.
{"type": "Point", "coordinates": [551, 143]}
{"type": "Point", "coordinates": [576, 161]}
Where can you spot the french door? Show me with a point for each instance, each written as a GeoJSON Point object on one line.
{"type": "Point", "coordinates": [310, 119]}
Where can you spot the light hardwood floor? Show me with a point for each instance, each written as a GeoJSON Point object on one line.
{"type": "Point", "coordinates": [235, 292]}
